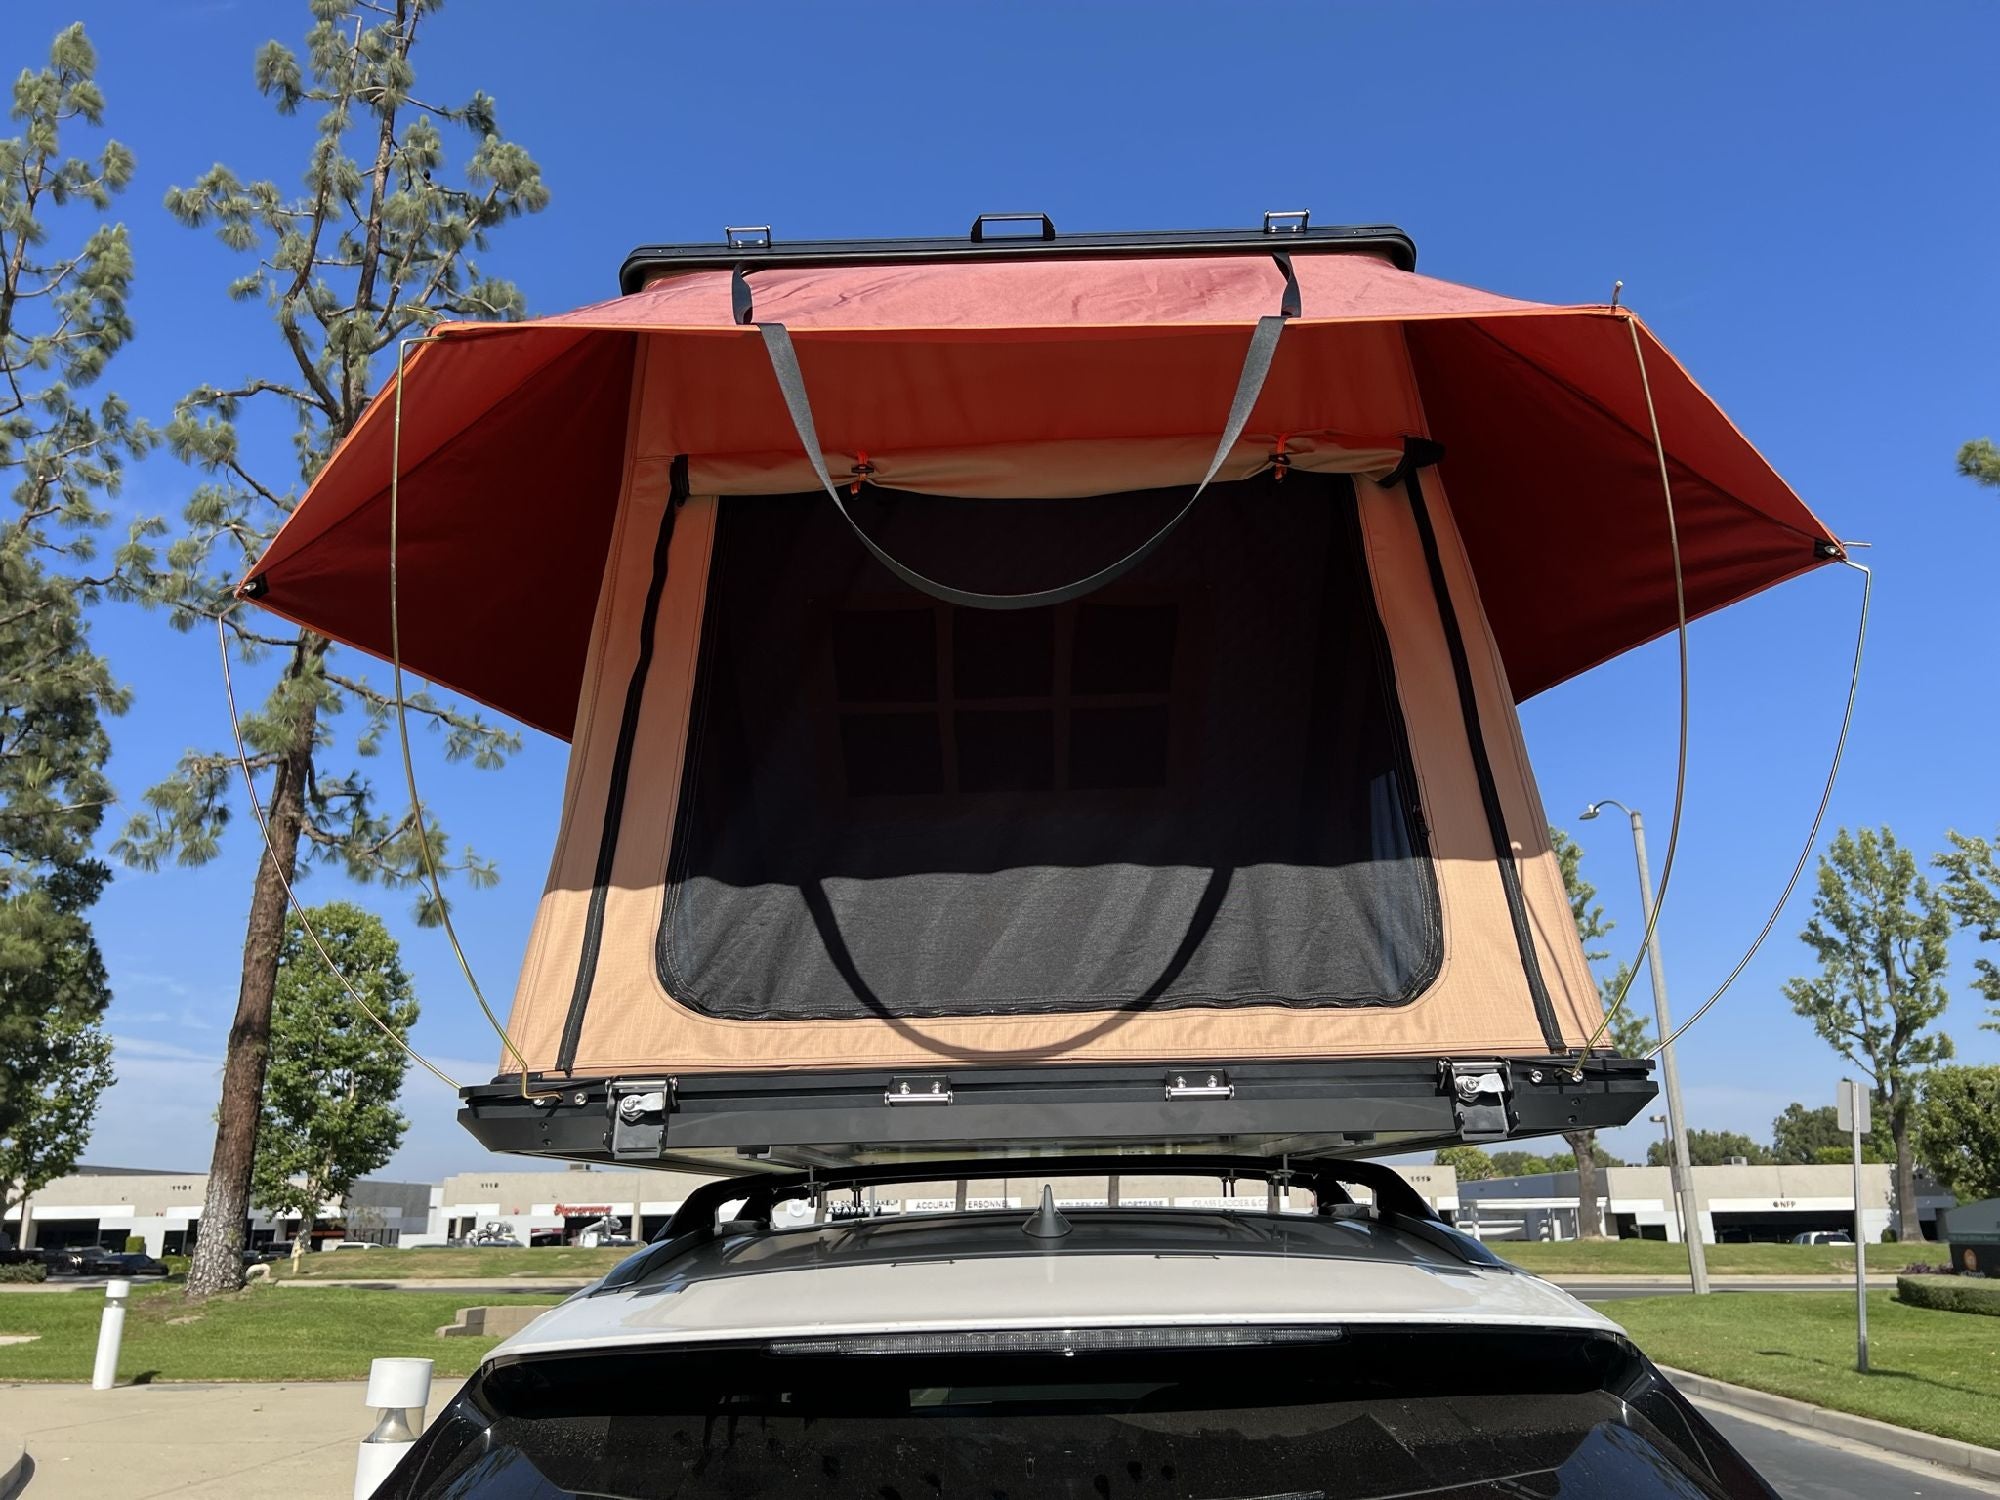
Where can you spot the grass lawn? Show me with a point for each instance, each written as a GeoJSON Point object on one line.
{"type": "Point", "coordinates": [496, 1264]}
{"type": "Point", "coordinates": [262, 1334]}
{"type": "Point", "coordinates": [1658, 1258]}
{"type": "Point", "coordinates": [1929, 1370]}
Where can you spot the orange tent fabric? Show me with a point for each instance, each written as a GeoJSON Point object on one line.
{"type": "Point", "coordinates": [513, 436]}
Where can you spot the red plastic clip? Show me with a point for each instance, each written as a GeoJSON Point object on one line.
{"type": "Point", "coordinates": [861, 470]}
{"type": "Point", "coordinates": [1281, 461]}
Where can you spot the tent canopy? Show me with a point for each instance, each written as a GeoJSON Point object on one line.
{"type": "Point", "coordinates": [956, 376]}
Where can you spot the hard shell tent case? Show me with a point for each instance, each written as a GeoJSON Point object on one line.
{"type": "Point", "coordinates": [1479, 1049]}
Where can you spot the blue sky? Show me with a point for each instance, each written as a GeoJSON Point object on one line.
{"type": "Point", "coordinates": [1797, 199]}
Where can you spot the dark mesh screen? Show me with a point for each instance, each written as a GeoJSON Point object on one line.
{"type": "Point", "coordinates": [1189, 788]}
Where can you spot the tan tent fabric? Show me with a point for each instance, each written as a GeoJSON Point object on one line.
{"type": "Point", "coordinates": [1478, 1002]}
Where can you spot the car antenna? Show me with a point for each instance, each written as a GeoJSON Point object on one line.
{"type": "Point", "coordinates": [1048, 1222]}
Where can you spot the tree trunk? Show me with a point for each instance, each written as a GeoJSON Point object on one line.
{"type": "Point", "coordinates": [1589, 1196]}
{"type": "Point", "coordinates": [217, 1265]}
{"type": "Point", "coordinates": [301, 1240]}
{"type": "Point", "coordinates": [1909, 1224]}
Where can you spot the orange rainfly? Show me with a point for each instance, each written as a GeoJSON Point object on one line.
{"type": "Point", "coordinates": [1056, 653]}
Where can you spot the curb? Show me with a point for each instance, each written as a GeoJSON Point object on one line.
{"type": "Point", "coordinates": [1877, 1281]}
{"type": "Point", "coordinates": [13, 1461]}
{"type": "Point", "coordinates": [1946, 1453]}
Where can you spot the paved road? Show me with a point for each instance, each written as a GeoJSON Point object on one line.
{"type": "Point", "coordinates": [1803, 1465]}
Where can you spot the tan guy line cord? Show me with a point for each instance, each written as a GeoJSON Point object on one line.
{"type": "Point", "coordinates": [1681, 764]}
{"type": "Point", "coordinates": [1819, 816]}
{"type": "Point", "coordinates": [402, 718]}
{"type": "Point", "coordinates": [271, 852]}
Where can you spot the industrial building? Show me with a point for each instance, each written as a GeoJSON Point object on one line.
{"type": "Point", "coordinates": [1734, 1204]}
{"type": "Point", "coordinates": [105, 1206]}
{"type": "Point", "coordinates": [525, 1204]}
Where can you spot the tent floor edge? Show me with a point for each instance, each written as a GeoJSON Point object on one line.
{"type": "Point", "coordinates": [1350, 1108]}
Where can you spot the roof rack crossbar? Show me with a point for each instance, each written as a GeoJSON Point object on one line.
{"type": "Point", "coordinates": [1328, 1180]}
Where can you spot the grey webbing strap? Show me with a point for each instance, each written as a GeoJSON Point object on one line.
{"type": "Point", "coordinates": [1256, 365]}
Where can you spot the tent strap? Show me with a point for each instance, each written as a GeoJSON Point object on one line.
{"type": "Point", "coordinates": [1249, 384]}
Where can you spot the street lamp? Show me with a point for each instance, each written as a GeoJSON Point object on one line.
{"type": "Point", "coordinates": [1673, 1173]}
{"type": "Point", "coordinates": [1676, 1117]}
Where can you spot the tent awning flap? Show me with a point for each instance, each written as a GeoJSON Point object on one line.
{"type": "Point", "coordinates": [514, 439]}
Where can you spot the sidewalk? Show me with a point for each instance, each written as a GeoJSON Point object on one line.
{"type": "Point", "coordinates": [1878, 1279]}
{"type": "Point", "coordinates": [189, 1441]}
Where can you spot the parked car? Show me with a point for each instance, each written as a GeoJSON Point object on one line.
{"type": "Point", "coordinates": [1823, 1237]}
{"type": "Point", "coordinates": [353, 1245]}
{"type": "Point", "coordinates": [1134, 1352]}
{"type": "Point", "coordinates": [85, 1260]}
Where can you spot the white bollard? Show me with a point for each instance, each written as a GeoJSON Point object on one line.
{"type": "Point", "coordinates": [399, 1390]}
{"type": "Point", "coordinates": [110, 1333]}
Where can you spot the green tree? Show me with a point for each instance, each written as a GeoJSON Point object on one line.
{"type": "Point", "coordinates": [1980, 460]}
{"type": "Point", "coordinates": [1520, 1164]}
{"type": "Point", "coordinates": [1470, 1162]}
{"type": "Point", "coordinates": [1712, 1148]}
{"type": "Point", "coordinates": [1801, 1137]}
{"type": "Point", "coordinates": [1879, 930]}
{"type": "Point", "coordinates": [1958, 1129]}
{"type": "Point", "coordinates": [59, 1079]}
{"type": "Point", "coordinates": [62, 318]}
{"type": "Point", "coordinates": [1972, 891]}
{"type": "Point", "coordinates": [329, 1109]}
{"type": "Point", "coordinates": [1626, 1033]}
{"type": "Point", "coordinates": [377, 248]}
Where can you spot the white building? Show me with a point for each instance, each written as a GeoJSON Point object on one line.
{"type": "Point", "coordinates": [524, 1205]}
{"type": "Point", "coordinates": [1733, 1203]}
{"type": "Point", "coordinates": [105, 1206]}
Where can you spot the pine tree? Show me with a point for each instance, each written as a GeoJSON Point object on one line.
{"type": "Point", "coordinates": [62, 318]}
{"type": "Point", "coordinates": [1879, 930]}
{"type": "Point", "coordinates": [329, 1111]}
{"type": "Point", "coordinates": [376, 249]}
{"type": "Point", "coordinates": [1980, 460]}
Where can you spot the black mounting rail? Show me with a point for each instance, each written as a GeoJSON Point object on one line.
{"type": "Point", "coordinates": [755, 248]}
{"type": "Point", "coordinates": [843, 1120]}
{"type": "Point", "coordinates": [695, 1222]}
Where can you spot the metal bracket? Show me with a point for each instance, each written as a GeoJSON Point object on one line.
{"type": "Point", "coordinates": [639, 1108]}
{"type": "Point", "coordinates": [918, 1091]}
{"type": "Point", "coordinates": [1482, 1097]}
{"type": "Point", "coordinates": [1287, 220]}
{"type": "Point", "coordinates": [747, 236]}
{"type": "Point", "coordinates": [1200, 1083]}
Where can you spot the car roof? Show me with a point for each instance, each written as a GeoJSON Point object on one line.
{"type": "Point", "coordinates": [1119, 1267]}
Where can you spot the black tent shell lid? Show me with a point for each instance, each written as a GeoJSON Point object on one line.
{"type": "Point", "coordinates": [1278, 237]}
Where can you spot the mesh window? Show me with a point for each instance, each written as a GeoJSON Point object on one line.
{"type": "Point", "coordinates": [1189, 788]}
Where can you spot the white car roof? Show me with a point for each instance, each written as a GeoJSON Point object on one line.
{"type": "Point", "coordinates": [1120, 1267]}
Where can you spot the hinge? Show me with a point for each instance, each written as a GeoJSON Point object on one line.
{"type": "Point", "coordinates": [918, 1091]}
{"type": "Point", "coordinates": [1482, 1097]}
{"type": "Point", "coordinates": [1200, 1083]}
{"type": "Point", "coordinates": [639, 1108]}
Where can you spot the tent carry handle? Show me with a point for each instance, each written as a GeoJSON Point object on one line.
{"type": "Point", "coordinates": [1249, 384]}
{"type": "Point", "coordinates": [979, 224]}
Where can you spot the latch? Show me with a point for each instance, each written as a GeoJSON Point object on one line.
{"type": "Point", "coordinates": [1482, 1098]}
{"type": "Point", "coordinates": [918, 1091]}
{"type": "Point", "coordinates": [1200, 1083]}
{"type": "Point", "coordinates": [639, 1108]}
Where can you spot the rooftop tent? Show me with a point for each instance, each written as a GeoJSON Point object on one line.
{"type": "Point", "coordinates": [932, 714]}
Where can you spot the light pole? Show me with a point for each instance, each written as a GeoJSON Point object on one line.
{"type": "Point", "coordinates": [1673, 1173]}
{"type": "Point", "coordinates": [1676, 1116]}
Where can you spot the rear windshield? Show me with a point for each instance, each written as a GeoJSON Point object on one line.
{"type": "Point", "coordinates": [1174, 1424]}
{"type": "Point", "coordinates": [1188, 788]}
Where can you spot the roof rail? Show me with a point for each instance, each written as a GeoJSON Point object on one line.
{"type": "Point", "coordinates": [694, 1222]}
